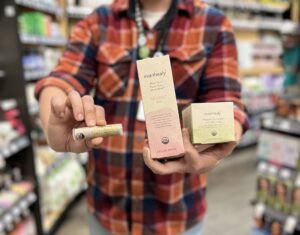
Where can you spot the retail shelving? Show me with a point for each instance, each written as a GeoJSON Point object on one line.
{"type": "Point", "coordinates": [12, 215]}
{"type": "Point", "coordinates": [41, 6]}
{"type": "Point", "coordinates": [78, 12]}
{"type": "Point", "coordinates": [261, 70]}
{"type": "Point", "coordinates": [261, 24]}
{"type": "Point", "coordinates": [35, 75]}
{"type": "Point", "coordinates": [14, 147]}
{"type": "Point", "coordinates": [41, 40]}
{"type": "Point", "coordinates": [53, 221]}
{"type": "Point", "coordinates": [251, 6]}
{"type": "Point", "coordinates": [291, 127]}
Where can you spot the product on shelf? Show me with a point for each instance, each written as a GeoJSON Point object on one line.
{"type": "Point", "coordinates": [283, 191]}
{"type": "Point", "coordinates": [295, 208]}
{"type": "Point", "coordinates": [38, 63]}
{"type": "Point", "coordinates": [279, 149]}
{"type": "Point", "coordinates": [88, 3]}
{"type": "Point", "coordinates": [51, 168]}
{"type": "Point", "coordinates": [39, 24]}
{"type": "Point", "coordinates": [26, 227]}
{"type": "Point", "coordinates": [11, 125]}
{"type": "Point", "coordinates": [288, 108]}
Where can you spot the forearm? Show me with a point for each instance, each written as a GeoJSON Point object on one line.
{"type": "Point", "coordinates": [45, 103]}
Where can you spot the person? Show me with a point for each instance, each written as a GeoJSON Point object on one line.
{"type": "Point", "coordinates": [129, 193]}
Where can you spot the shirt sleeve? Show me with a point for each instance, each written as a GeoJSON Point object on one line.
{"type": "Point", "coordinates": [220, 81]}
{"type": "Point", "coordinates": [77, 67]}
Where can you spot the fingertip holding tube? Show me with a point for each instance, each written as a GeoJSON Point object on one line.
{"type": "Point", "coordinates": [97, 131]}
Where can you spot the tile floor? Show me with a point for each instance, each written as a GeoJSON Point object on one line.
{"type": "Point", "coordinates": [231, 188]}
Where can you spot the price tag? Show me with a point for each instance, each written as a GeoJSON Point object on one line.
{"type": "Point", "coordinates": [6, 152]}
{"type": "Point", "coordinates": [285, 125]}
{"type": "Point", "coordinates": [268, 122]}
{"type": "Point", "coordinates": [259, 210]}
{"type": "Point", "coordinates": [8, 219]}
{"type": "Point", "coordinates": [290, 224]}
{"type": "Point", "coordinates": [31, 198]}
{"type": "Point", "coordinates": [14, 148]}
{"type": "Point", "coordinates": [24, 205]}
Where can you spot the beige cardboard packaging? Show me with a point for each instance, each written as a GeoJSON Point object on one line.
{"type": "Point", "coordinates": [210, 123]}
{"type": "Point", "coordinates": [160, 107]}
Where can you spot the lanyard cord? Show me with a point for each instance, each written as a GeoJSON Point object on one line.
{"type": "Point", "coordinates": [143, 50]}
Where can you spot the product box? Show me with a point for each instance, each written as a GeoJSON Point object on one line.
{"type": "Point", "coordinates": [160, 107]}
{"type": "Point", "coordinates": [279, 149]}
{"type": "Point", "coordinates": [295, 209]}
{"type": "Point", "coordinates": [283, 191]}
{"type": "Point", "coordinates": [210, 123]}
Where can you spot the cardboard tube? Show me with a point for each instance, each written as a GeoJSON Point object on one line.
{"type": "Point", "coordinates": [97, 131]}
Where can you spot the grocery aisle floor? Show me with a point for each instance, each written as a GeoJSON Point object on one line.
{"type": "Point", "coordinates": [231, 188]}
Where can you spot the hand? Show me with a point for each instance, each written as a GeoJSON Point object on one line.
{"type": "Point", "coordinates": [196, 161]}
{"type": "Point", "coordinates": [73, 112]}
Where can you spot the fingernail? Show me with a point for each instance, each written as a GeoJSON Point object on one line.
{"type": "Point", "coordinates": [79, 117]}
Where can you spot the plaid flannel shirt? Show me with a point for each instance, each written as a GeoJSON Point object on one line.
{"type": "Point", "coordinates": [125, 196]}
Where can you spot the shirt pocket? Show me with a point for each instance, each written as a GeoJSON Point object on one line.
{"type": "Point", "coordinates": [187, 66]}
{"type": "Point", "coordinates": [113, 70]}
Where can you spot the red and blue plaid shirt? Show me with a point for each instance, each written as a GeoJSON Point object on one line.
{"type": "Point", "coordinates": [125, 196]}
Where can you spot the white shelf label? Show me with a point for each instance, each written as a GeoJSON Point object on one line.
{"type": "Point", "coordinates": [259, 210]}
{"type": "Point", "coordinates": [268, 122]}
{"type": "Point", "coordinates": [290, 224]}
{"type": "Point", "coordinates": [285, 125]}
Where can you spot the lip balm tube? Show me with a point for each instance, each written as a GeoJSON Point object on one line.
{"type": "Point", "coordinates": [97, 131]}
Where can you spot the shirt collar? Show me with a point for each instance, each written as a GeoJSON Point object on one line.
{"type": "Point", "coordinates": [123, 7]}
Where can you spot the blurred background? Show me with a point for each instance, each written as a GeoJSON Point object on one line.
{"type": "Point", "coordinates": [255, 191]}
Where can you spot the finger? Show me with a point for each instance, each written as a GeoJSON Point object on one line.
{"type": "Point", "coordinates": [58, 107]}
{"type": "Point", "coordinates": [224, 150]}
{"type": "Point", "coordinates": [75, 103]}
{"type": "Point", "coordinates": [94, 143]}
{"type": "Point", "coordinates": [89, 110]}
{"type": "Point", "coordinates": [187, 142]}
{"type": "Point", "coordinates": [100, 116]}
{"type": "Point", "coordinates": [238, 131]}
{"type": "Point", "coordinates": [169, 167]}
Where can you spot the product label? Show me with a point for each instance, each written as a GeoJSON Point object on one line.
{"type": "Point", "coordinates": [210, 123]}
{"type": "Point", "coordinates": [160, 107]}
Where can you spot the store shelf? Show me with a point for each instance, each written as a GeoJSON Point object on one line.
{"type": "Point", "coordinates": [263, 24]}
{"type": "Point", "coordinates": [35, 75]}
{"type": "Point", "coordinates": [286, 126]}
{"type": "Point", "coordinates": [41, 6]}
{"type": "Point", "coordinates": [257, 71]}
{"type": "Point", "coordinates": [20, 208]}
{"type": "Point", "coordinates": [41, 40]}
{"type": "Point", "coordinates": [14, 147]}
{"type": "Point", "coordinates": [250, 6]}
{"type": "Point", "coordinates": [54, 220]}
{"type": "Point", "coordinates": [279, 216]}
{"type": "Point", "coordinates": [78, 12]}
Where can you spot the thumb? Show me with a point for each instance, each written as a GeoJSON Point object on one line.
{"type": "Point", "coordinates": [58, 107]}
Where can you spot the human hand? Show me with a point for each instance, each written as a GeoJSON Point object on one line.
{"type": "Point", "coordinates": [196, 161]}
{"type": "Point", "coordinates": [69, 113]}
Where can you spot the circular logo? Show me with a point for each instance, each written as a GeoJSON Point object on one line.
{"type": "Point", "coordinates": [214, 133]}
{"type": "Point", "coordinates": [80, 136]}
{"type": "Point", "coordinates": [165, 140]}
